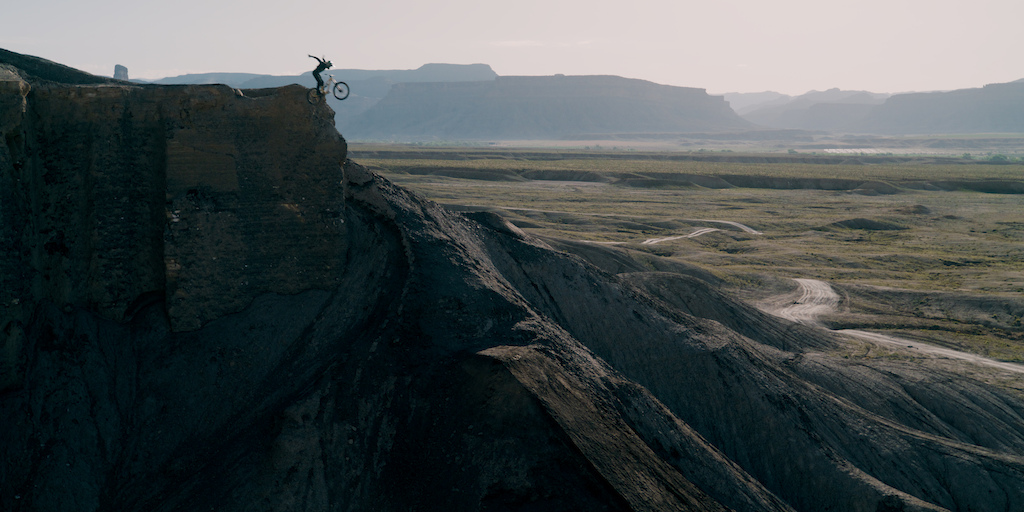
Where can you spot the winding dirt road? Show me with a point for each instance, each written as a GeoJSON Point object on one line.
{"type": "Point", "coordinates": [702, 230]}
{"type": "Point", "coordinates": [742, 227]}
{"type": "Point", "coordinates": [814, 298]}
{"type": "Point", "coordinates": [699, 232]}
{"type": "Point", "coordinates": [651, 241]}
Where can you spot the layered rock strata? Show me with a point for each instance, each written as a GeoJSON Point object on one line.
{"type": "Point", "coordinates": [204, 195]}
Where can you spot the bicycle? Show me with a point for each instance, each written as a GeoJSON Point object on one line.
{"type": "Point", "coordinates": [339, 89]}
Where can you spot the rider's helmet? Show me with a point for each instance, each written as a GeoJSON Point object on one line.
{"type": "Point", "coordinates": [329, 64]}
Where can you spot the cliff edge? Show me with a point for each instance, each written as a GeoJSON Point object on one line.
{"type": "Point", "coordinates": [206, 195]}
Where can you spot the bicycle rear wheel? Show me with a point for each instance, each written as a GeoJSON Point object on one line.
{"type": "Point", "coordinates": [313, 96]}
{"type": "Point", "coordinates": [341, 90]}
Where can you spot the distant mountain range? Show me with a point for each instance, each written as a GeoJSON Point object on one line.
{"type": "Point", "coordinates": [763, 104]}
{"type": "Point", "coordinates": [473, 102]}
{"type": "Point", "coordinates": [994, 108]}
{"type": "Point", "coordinates": [828, 110]}
{"type": "Point", "coordinates": [470, 102]}
{"type": "Point", "coordinates": [535, 107]}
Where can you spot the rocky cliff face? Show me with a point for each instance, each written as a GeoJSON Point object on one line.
{"type": "Point", "coordinates": [117, 192]}
{"type": "Point", "coordinates": [382, 353]}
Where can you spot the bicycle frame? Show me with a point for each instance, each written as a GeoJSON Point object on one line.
{"type": "Point", "coordinates": [332, 85]}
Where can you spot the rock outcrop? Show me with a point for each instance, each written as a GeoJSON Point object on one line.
{"type": "Point", "coordinates": [118, 192]}
{"type": "Point", "coordinates": [381, 352]}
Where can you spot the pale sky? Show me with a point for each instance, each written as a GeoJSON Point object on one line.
{"type": "Point", "coordinates": [788, 46]}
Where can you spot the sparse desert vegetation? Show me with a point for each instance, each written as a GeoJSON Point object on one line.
{"type": "Point", "coordinates": [925, 248]}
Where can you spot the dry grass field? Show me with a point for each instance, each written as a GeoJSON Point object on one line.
{"type": "Point", "coordinates": [931, 249]}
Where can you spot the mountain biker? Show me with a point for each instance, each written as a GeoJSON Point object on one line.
{"type": "Point", "coordinates": [323, 64]}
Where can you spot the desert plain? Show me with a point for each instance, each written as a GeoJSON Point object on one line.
{"type": "Point", "coordinates": [924, 252]}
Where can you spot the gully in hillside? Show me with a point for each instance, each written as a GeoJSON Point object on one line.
{"type": "Point", "coordinates": [340, 89]}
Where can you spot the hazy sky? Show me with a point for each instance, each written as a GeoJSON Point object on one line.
{"type": "Point", "coordinates": [789, 46]}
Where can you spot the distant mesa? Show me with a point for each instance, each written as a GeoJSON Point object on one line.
{"type": "Point", "coordinates": [536, 107]}
{"type": "Point", "coordinates": [471, 102]}
{"type": "Point", "coordinates": [829, 110]}
{"type": "Point", "coordinates": [743, 102]}
{"type": "Point", "coordinates": [120, 72]}
{"type": "Point", "coordinates": [995, 108]}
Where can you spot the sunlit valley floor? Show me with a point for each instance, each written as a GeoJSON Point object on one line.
{"type": "Point", "coordinates": [914, 247]}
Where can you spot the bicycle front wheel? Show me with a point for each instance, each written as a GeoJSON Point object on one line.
{"type": "Point", "coordinates": [313, 96]}
{"type": "Point", "coordinates": [341, 90]}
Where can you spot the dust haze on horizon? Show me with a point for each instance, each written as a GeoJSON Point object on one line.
{"type": "Point", "coordinates": [787, 46]}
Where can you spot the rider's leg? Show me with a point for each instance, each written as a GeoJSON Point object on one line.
{"type": "Point", "coordinates": [319, 81]}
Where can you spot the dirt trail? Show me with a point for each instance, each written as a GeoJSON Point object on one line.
{"type": "Point", "coordinates": [699, 232]}
{"type": "Point", "coordinates": [649, 241]}
{"type": "Point", "coordinates": [815, 298]}
{"type": "Point", "coordinates": [743, 227]}
{"type": "Point", "coordinates": [702, 231]}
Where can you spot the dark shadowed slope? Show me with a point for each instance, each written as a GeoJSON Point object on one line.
{"type": "Point", "coordinates": [304, 335]}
